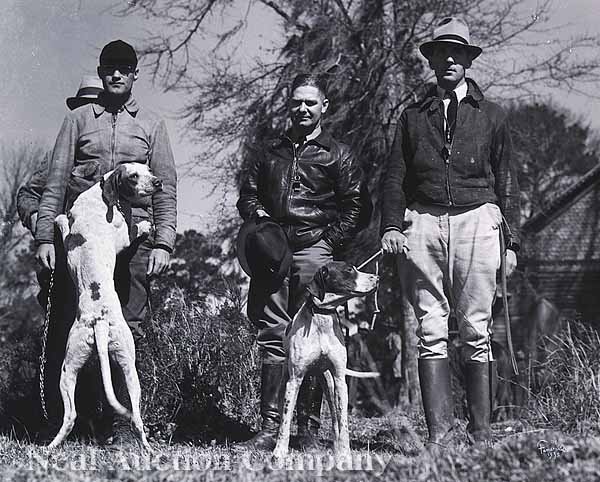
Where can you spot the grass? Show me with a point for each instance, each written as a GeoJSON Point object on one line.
{"type": "Point", "coordinates": [199, 378]}
{"type": "Point", "coordinates": [384, 449]}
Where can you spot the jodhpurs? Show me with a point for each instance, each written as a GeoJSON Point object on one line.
{"type": "Point", "coordinates": [450, 264]}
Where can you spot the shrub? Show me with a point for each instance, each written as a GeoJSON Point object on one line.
{"type": "Point", "coordinates": [19, 389]}
{"type": "Point", "coordinates": [198, 369]}
{"type": "Point", "coordinates": [569, 395]}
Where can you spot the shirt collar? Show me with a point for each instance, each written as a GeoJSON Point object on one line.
{"type": "Point", "coordinates": [324, 139]}
{"type": "Point", "coordinates": [433, 97]}
{"type": "Point", "coordinates": [130, 106]}
{"type": "Point", "coordinates": [461, 91]}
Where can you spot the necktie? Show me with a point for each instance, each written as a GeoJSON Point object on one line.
{"type": "Point", "coordinates": [451, 115]}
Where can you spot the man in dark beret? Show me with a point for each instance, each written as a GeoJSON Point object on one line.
{"type": "Point", "coordinates": [95, 139]}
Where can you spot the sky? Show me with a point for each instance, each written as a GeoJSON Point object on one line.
{"type": "Point", "coordinates": [47, 46]}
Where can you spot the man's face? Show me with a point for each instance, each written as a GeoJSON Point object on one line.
{"type": "Point", "coordinates": [307, 106]}
{"type": "Point", "coordinates": [449, 62]}
{"type": "Point", "coordinates": [117, 79]}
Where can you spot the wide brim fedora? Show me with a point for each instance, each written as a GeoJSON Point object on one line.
{"type": "Point", "coordinates": [89, 89]}
{"type": "Point", "coordinates": [453, 31]}
{"type": "Point", "coordinates": [277, 235]}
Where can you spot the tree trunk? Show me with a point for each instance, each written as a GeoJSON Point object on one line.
{"type": "Point", "coordinates": [409, 353]}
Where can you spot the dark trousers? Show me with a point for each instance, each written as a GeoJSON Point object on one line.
{"type": "Point", "coordinates": [272, 310]}
{"type": "Point", "coordinates": [131, 283]}
{"type": "Point", "coordinates": [63, 307]}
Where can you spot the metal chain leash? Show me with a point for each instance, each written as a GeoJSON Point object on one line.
{"type": "Point", "coordinates": [44, 340]}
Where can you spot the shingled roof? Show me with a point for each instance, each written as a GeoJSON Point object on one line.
{"type": "Point", "coordinates": [562, 202]}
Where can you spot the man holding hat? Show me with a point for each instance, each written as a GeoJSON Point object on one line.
{"type": "Point", "coordinates": [300, 202]}
{"type": "Point", "coordinates": [95, 139]}
{"type": "Point", "coordinates": [450, 192]}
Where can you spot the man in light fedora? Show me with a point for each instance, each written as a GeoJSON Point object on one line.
{"type": "Point", "coordinates": [450, 191]}
{"type": "Point", "coordinates": [63, 296]}
{"type": "Point", "coordinates": [309, 183]}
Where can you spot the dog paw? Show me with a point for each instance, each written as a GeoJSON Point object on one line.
{"type": "Point", "coordinates": [62, 223]}
{"type": "Point", "coordinates": [149, 448]}
{"type": "Point", "coordinates": [143, 228]}
{"type": "Point", "coordinates": [278, 456]}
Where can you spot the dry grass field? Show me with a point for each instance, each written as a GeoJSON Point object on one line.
{"type": "Point", "coordinates": [383, 449]}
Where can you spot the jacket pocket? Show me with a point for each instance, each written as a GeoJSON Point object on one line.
{"type": "Point", "coordinates": [494, 214]}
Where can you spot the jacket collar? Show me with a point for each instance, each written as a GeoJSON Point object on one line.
{"type": "Point", "coordinates": [324, 139]}
{"type": "Point", "coordinates": [130, 106]}
{"type": "Point", "coordinates": [432, 100]}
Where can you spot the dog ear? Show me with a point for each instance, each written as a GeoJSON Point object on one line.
{"type": "Point", "coordinates": [317, 285]}
{"type": "Point", "coordinates": [110, 191]}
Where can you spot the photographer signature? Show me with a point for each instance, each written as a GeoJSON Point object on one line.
{"type": "Point", "coordinates": [551, 450]}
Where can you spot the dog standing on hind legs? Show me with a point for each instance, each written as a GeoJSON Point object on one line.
{"type": "Point", "coordinates": [94, 232]}
{"type": "Point", "coordinates": [315, 338]}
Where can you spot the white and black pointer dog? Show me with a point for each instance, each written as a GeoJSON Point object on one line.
{"type": "Point", "coordinates": [315, 339]}
{"type": "Point", "coordinates": [94, 232]}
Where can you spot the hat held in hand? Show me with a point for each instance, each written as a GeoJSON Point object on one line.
{"type": "Point", "coordinates": [263, 250]}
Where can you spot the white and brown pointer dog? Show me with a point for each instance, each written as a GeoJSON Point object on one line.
{"type": "Point", "coordinates": [315, 338]}
{"type": "Point", "coordinates": [94, 232]}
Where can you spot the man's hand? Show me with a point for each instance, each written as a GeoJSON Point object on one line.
{"type": "Point", "coordinates": [158, 262]}
{"type": "Point", "coordinates": [46, 255]}
{"type": "Point", "coordinates": [261, 213]}
{"type": "Point", "coordinates": [393, 241]}
{"type": "Point", "coordinates": [33, 221]}
{"type": "Point", "coordinates": [511, 262]}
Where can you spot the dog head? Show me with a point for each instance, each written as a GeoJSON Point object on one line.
{"type": "Point", "coordinates": [133, 182]}
{"type": "Point", "coordinates": [339, 281]}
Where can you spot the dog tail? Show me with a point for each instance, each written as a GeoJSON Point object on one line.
{"type": "Point", "coordinates": [101, 335]}
{"type": "Point", "coordinates": [352, 373]}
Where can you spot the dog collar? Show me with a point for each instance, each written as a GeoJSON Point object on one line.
{"type": "Point", "coordinates": [326, 310]}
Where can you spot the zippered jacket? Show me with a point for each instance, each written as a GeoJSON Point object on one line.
{"type": "Point", "coordinates": [313, 192]}
{"type": "Point", "coordinates": [30, 193]}
{"type": "Point", "coordinates": [475, 169]}
{"type": "Point", "coordinates": [93, 141]}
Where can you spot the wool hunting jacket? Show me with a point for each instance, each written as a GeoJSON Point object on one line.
{"type": "Point", "coordinates": [93, 141]}
{"type": "Point", "coordinates": [475, 169]}
{"type": "Point", "coordinates": [313, 191]}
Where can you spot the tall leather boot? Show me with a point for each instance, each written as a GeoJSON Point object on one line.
{"type": "Point", "coordinates": [308, 413]}
{"type": "Point", "coordinates": [271, 378]}
{"type": "Point", "coordinates": [434, 377]}
{"type": "Point", "coordinates": [479, 401]}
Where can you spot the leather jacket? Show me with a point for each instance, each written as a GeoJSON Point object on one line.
{"type": "Point", "coordinates": [313, 191]}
